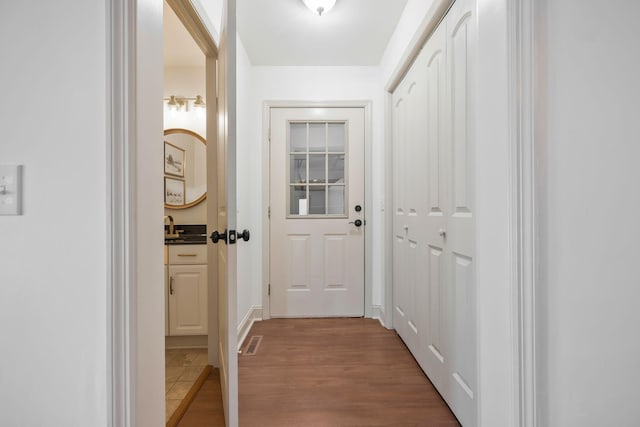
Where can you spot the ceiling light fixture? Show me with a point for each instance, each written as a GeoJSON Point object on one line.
{"type": "Point", "coordinates": [319, 6]}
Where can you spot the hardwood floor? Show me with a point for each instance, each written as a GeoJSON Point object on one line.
{"type": "Point", "coordinates": [325, 372]}
{"type": "Point", "coordinates": [206, 409]}
{"type": "Point", "coordinates": [335, 372]}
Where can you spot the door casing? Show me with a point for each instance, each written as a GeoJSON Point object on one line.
{"type": "Point", "coordinates": [266, 192]}
{"type": "Point", "coordinates": [513, 25]}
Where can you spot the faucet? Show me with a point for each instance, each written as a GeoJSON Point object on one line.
{"type": "Point", "coordinates": [172, 232]}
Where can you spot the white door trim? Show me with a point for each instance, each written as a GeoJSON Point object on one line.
{"type": "Point", "coordinates": [368, 195]}
{"type": "Point", "coordinates": [135, 395]}
{"type": "Point", "coordinates": [520, 20]}
{"type": "Point", "coordinates": [121, 208]}
{"type": "Point", "coordinates": [523, 104]}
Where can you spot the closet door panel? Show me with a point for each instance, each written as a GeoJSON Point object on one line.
{"type": "Point", "coordinates": [436, 335]}
{"type": "Point", "coordinates": [460, 24]}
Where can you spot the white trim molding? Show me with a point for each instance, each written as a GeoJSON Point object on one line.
{"type": "Point", "coordinates": [377, 312]}
{"type": "Point", "coordinates": [433, 17]}
{"type": "Point", "coordinates": [253, 315]}
{"type": "Point", "coordinates": [121, 212]}
{"type": "Point", "coordinates": [522, 124]}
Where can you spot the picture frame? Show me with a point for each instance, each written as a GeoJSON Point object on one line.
{"type": "Point", "coordinates": [174, 160]}
{"type": "Point", "coordinates": [174, 191]}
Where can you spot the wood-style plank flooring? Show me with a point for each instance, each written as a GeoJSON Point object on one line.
{"type": "Point", "coordinates": [206, 409]}
{"type": "Point", "coordinates": [335, 372]}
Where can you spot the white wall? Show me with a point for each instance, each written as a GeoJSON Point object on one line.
{"type": "Point", "coordinates": [53, 309]}
{"type": "Point", "coordinates": [187, 82]}
{"type": "Point", "coordinates": [588, 149]}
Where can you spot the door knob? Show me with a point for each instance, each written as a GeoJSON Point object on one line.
{"type": "Point", "coordinates": [215, 236]}
{"type": "Point", "coordinates": [442, 232]}
{"type": "Point", "coordinates": [245, 235]}
{"type": "Point", "coordinates": [357, 222]}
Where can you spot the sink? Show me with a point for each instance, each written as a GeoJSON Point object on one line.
{"type": "Point", "coordinates": [188, 234]}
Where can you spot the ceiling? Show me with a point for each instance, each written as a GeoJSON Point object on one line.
{"type": "Point", "coordinates": [285, 32]}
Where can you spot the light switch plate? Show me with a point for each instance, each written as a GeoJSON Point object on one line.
{"type": "Point", "coordinates": [10, 190]}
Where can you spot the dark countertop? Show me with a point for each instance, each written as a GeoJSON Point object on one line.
{"type": "Point", "coordinates": [190, 234]}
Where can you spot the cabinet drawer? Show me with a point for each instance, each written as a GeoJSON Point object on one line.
{"type": "Point", "coordinates": [188, 254]}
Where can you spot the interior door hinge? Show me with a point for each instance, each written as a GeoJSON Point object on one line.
{"type": "Point", "coordinates": [269, 290]}
{"type": "Point", "coordinates": [269, 137]}
{"type": "Point", "coordinates": [269, 212]}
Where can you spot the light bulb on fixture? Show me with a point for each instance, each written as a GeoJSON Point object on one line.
{"type": "Point", "coordinates": [172, 104]}
{"type": "Point", "coordinates": [319, 6]}
{"type": "Point", "coordinates": [199, 103]}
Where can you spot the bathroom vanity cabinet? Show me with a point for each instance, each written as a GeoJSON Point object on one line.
{"type": "Point", "coordinates": [186, 290]}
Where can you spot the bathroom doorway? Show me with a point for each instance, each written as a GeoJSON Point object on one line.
{"type": "Point", "coordinates": [190, 276]}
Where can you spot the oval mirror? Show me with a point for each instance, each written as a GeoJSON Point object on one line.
{"type": "Point", "coordinates": [185, 169]}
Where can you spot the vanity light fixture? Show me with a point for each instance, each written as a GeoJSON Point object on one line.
{"type": "Point", "coordinates": [319, 6]}
{"type": "Point", "coordinates": [173, 103]}
{"type": "Point", "coordinates": [181, 103]}
{"type": "Point", "coordinates": [199, 102]}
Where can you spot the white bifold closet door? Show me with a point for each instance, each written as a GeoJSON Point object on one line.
{"type": "Point", "coordinates": [434, 279]}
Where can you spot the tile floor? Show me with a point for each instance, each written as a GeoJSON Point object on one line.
{"type": "Point", "coordinates": [182, 368]}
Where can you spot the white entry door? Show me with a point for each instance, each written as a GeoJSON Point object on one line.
{"type": "Point", "coordinates": [317, 212]}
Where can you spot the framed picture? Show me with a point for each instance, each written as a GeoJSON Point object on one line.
{"type": "Point", "coordinates": [173, 160]}
{"type": "Point", "coordinates": [173, 191]}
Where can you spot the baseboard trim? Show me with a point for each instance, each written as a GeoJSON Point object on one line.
{"type": "Point", "coordinates": [185, 341]}
{"type": "Point", "coordinates": [254, 314]}
{"type": "Point", "coordinates": [377, 312]}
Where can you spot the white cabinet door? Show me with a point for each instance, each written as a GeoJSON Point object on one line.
{"type": "Point", "coordinates": [187, 299]}
{"type": "Point", "coordinates": [166, 300]}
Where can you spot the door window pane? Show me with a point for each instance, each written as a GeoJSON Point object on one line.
{"type": "Point", "coordinates": [317, 200]}
{"type": "Point", "coordinates": [317, 168]}
{"type": "Point", "coordinates": [336, 168]}
{"type": "Point", "coordinates": [298, 137]}
{"type": "Point", "coordinates": [298, 168]}
{"type": "Point", "coordinates": [297, 198]}
{"type": "Point", "coordinates": [336, 137]}
{"type": "Point", "coordinates": [317, 137]}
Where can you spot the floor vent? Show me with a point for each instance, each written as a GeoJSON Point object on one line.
{"type": "Point", "coordinates": [252, 348]}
